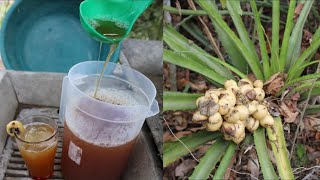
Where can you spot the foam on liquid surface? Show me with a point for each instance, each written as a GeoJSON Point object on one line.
{"type": "Point", "coordinates": [115, 96]}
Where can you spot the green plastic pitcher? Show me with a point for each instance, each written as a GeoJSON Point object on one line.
{"type": "Point", "coordinates": [123, 13]}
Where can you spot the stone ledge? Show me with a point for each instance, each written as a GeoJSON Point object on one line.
{"type": "Point", "coordinates": [8, 105]}
{"type": "Point", "coordinates": [37, 88]}
{"type": "Point", "coordinates": [144, 56]}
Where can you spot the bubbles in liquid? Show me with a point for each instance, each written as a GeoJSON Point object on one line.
{"type": "Point", "coordinates": [109, 27]}
{"type": "Point", "coordinates": [123, 25]}
{"type": "Point", "coordinates": [93, 23]}
{"type": "Point", "coordinates": [115, 96]}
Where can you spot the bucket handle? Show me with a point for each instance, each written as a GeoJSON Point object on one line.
{"type": "Point", "coordinates": [154, 109]}
{"type": "Point", "coordinates": [64, 90]}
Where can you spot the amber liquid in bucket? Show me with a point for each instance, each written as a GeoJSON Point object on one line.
{"type": "Point", "coordinates": [39, 158]}
{"type": "Point", "coordinates": [93, 161]}
{"type": "Point", "coordinates": [97, 162]}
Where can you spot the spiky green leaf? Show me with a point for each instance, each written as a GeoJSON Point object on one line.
{"type": "Point", "coordinates": [209, 160]}
{"type": "Point", "coordinates": [263, 156]}
{"type": "Point", "coordinates": [286, 36]}
{"type": "Point", "coordinates": [174, 150]}
{"type": "Point", "coordinates": [183, 61]}
{"type": "Point", "coordinates": [262, 41]}
{"type": "Point", "coordinates": [295, 40]}
{"type": "Point", "coordinates": [178, 42]}
{"type": "Point", "coordinates": [179, 101]}
{"type": "Point", "coordinates": [279, 148]}
{"type": "Point", "coordinates": [215, 17]}
{"type": "Point", "coordinates": [225, 161]}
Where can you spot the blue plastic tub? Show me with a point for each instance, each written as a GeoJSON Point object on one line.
{"type": "Point", "coordinates": [46, 35]}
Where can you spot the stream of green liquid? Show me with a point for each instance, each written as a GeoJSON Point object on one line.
{"type": "Point", "coordinates": [109, 29]}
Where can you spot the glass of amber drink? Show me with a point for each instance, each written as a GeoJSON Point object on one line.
{"type": "Point", "coordinates": [38, 145]}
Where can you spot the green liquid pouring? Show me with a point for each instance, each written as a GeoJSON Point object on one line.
{"type": "Point", "coordinates": [112, 30]}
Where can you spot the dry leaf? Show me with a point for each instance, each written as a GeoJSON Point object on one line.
{"type": "Point", "coordinates": [230, 166]}
{"type": "Point", "coordinates": [307, 38]}
{"type": "Point", "coordinates": [274, 109]}
{"type": "Point", "coordinates": [295, 96]}
{"type": "Point", "coordinates": [196, 129]}
{"type": "Point", "coordinates": [178, 6]}
{"type": "Point", "coordinates": [289, 110]}
{"type": "Point", "coordinates": [183, 133]}
{"type": "Point", "coordinates": [203, 149]}
{"type": "Point", "coordinates": [251, 77]}
{"type": "Point", "coordinates": [312, 123]}
{"type": "Point", "coordinates": [199, 86]}
{"type": "Point", "coordinates": [310, 149]}
{"type": "Point", "coordinates": [271, 156]}
{"type": "Point", "coordinates": [248, 149]}
{"type": "Point", "coordinates": [183, 168]}
{"type": "Point", "coordinates": [253, 164]}
{"type": "Point", "coordinates": [181, 123]}
{"type": "Point", "coordinates": [317, 136]}
{"type": "Point", "coordinates": [275, 83]}
{"type": "Point", "coordinates": [297, 11]}
{"type": "Point", "coordinates": [167, 136]}
{"type": "Point", "coordinates": [314, 155]}
{"type": "Point", "coordinates": [272, 78]}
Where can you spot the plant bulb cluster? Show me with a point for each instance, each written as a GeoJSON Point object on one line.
{"type": "Point", "coordinates": [234, 108]}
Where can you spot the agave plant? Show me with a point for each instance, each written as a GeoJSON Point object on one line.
{"type": "Point", "coordinates": [286, 58]}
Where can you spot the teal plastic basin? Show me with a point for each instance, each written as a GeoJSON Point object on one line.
{"type": "Point", "coordinates": [47, 36]}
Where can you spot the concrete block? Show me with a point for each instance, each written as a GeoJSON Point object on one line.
{"type": "Point", "coordinates": [144, 56]}
{"type": "Point", "coordinates": [155, 122]}
{"type": "Point", "coordinates": [8, 105]}
{"type": "Point", "coordinates": [37, 88]}
{"type": "Point", "coordinates": [144, 163]}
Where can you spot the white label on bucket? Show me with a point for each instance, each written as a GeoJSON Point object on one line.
{"type": "Point", "coordinates": [75, 153]}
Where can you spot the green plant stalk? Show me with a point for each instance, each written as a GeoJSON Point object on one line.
{"type": "Point", "coordinates": [174, 150]}
{"type": "Point", "coordinates": [230, 67]}
{"type": "Point", "coordinates": [224, 163]}
{"type": "Point", "coordinates": [179, 101]}
{"type": "Point", "coordinates": [241, 29]}
{"type": "Point", "coordinates": [294, 70]}
{"type": "Point", "coordinates": [183, 22]}
{"type": "Point", "coordinates": [235, 56]}
{"type": "Point", "coordinates": [315, 37]}
{"type": "Point", "coordinates": [262, 41]}
{"type": "Point", "coordinates": [182, 61]}
{"type": "Point", "coordinates": [302, 67]}
{"type": "Point", "coordinates": [209, 160]}
{"type": "Point", "coordinates": [279, 149]}
{"type": "Point", "coordinates": [297, 80]}
{"type": "Point", "coordinates": [304, 87]}
{"type": "Point", "coordinates": [286, 36]}
{"type": "Point", "coordinates": [193, 30]}
{"type": "Point", "coordinates": [268, 3]}
{"type": "Point", "coordinates": [178, 42]}
{"type": "Point", "coordinates": [313, 109]}
{"type": "Point", "coordinates": [264, 160]}
{"type": "Point", "coordinates": [204, 13]}
{"type": "Point", "coordinates": [315, 92]}
{"type": "Point", "coordinates": [294, 47]}
{"type": "Point", "coordinates": [214, 16]}
{"type": "Point", "coordinates": [275, 36]}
